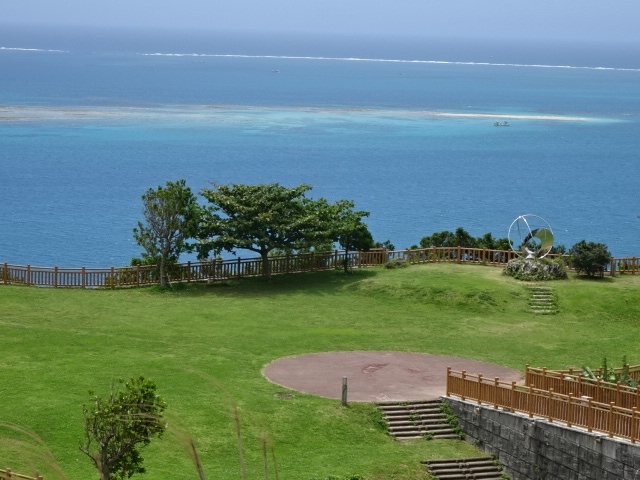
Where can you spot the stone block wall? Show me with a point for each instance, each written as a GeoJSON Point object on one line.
{"type": "Point", "coordinates": [535, 449]}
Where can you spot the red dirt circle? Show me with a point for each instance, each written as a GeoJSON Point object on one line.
{"type": "Point", "coordinates": [377, 376]}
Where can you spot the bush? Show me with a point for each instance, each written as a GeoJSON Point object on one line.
{"type": "Point", "coordinates": [589, 257]}
{"type": "Point", "coordinates": [397, 263]}
{"type": "Point", "coordinates": [534, 269]}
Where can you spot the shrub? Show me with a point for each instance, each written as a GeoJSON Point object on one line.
{"type": "Point", "coordinates": [534, 269]}
{"type": "Point", "coordinates": [589, 257]}
{"type": "Point", "coordinates": [397, 263]}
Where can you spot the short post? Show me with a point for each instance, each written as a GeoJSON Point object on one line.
{"type": "Point", "coordinates": [479, 387]}
{"type": "Point", "coordinates": [611, 420]}
{"type": "Point", "coordinates": [496, 386]}
{"type": "Point", "coordinates": [550, 405]}
{"type": "Point", "coordinates": [634, 425]}
{"type": "Point", "coordinates": [448, 388]}
{"type": "Point", "coordinates": [570, 410]}
{"type": "Point", "coordinates": [84, 279]}
{"type": "Point", "coordinates": [464, 384]}
{"type": "Point", "coordinates": [344, 391]}
{"type": "Point", "coordinates": [55, 277]}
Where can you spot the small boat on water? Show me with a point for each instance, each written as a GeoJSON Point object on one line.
{"type": "Point", "coordinates": [501, 124]}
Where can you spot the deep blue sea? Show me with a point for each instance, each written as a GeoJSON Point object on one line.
{"type": "Point", "coordinates": [89, 120]}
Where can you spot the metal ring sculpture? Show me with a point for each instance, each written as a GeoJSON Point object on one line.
{"type": "Point", "coordinates": [530, 236]}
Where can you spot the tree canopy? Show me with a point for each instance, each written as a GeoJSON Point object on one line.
{"type": "Point", "coordinates": [117, 426]}
{"type": "Point", "coordinates": [462, 238]}
{"type": "Point", "coordinates": [171, 215]}
{"type": "Point", "coordinates": [589, 257]}
{"type": "Point", "coordinates": [350, 231]}
{"type": "Point", "coordinates": [269, 217]}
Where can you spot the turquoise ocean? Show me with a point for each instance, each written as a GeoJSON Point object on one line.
{"type": "Point", "coordinates": [89, 120]}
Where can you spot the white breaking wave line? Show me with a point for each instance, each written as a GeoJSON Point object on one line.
{"type": "Point", "coordinates": [387, 60]}
{"type": "Point", "coordinates": [19, 49]}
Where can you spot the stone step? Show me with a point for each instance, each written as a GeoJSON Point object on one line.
{"type": "Point", "coordinates": [466, 468]}
{"type": "Point", "coordinates": [423, 411]}
{"type": "Point", "coordinates": [543, 300]}
{"type": "Point", "coordinates": [409, 420]}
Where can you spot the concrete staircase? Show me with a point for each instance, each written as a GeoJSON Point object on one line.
{"type": "Point", "coordinates": [411, 420]}
{"type": "Point", "coordinates": [465, 469]}
{"type": "Point", "coordinates": [543, 300]}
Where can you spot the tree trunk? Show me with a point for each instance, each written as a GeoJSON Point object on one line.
{"type": "Point", "coordinates": [104, 467]}
{"type": "Point", "coordinates": [266, 266]}
{"type": "Point", "coordinates": [346, 261]}
{"type": "Point", "coordinates": [162, 272]}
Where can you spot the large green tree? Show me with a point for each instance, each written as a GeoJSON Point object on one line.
{"type": "Point", "coordinates": [349, 231]}
{"type": "Point", "coordinates": [270, 217]}
{"type": "Point", "coordinates": [261, 218]}
{"type": "Point", "coordinates": [171, 216]}
{"type": "Point", "coordinates": [117, 426]}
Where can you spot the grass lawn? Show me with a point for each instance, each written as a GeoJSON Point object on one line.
{"type": "Point", "coordinates": [206, 346]}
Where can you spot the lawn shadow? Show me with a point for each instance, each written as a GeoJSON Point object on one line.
{"type": "Point", "coordinates": [313, 283]}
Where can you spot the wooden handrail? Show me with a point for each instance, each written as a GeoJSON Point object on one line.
{"type": "Point", "coordinates": [570, 409]}
{"type": "Point", "coordinates": [10, 474]}
{"type": "Point", "coordinates": [212, 270]}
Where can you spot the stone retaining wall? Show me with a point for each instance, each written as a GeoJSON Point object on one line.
{"type": "Point", "coordinates": [535, 449]}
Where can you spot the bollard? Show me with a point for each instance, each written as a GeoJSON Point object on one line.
{"type": "Point", "coordinates": [344, 391]}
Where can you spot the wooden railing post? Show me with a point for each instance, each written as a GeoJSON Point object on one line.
{"type": "Point", "coordinates": [238, 273]}
{"type": "Point", "coordinates": [138, 275]}
{"type": "Point", "coordinates": [634, 424]}
{"type": "Point", "coordinates": [448, 382]}
{"type": "Point", "coordinates": [590, 416]}
{"type": "Point", "coordinates": [611, 405]}
{"type": "Point", "coordinates": [530, 401]}
{"type": "Point", "coordinates": [188, 271]}
{"type": "Point", "coordinates": [463, 375]}
{"type": "Point", "coordinates": [84, 280]}
{"type": "Point", "coordinates": [570, 410]}
{"type": "Point", "coordinates": [55, 277]}
{"type": "Point", "coordinates": [113, 277]}
{"type": "Point", "coordinates": [479, 389]}
{"type": "Point", "coordinates": [549, 404]}
{"type": "Point", "coordinates": [495, 392]}
{"type": "Point", "coordinates": [511, 401]}
{"type": "Point", "coordinates": [28, 275]}
{"type": "Point", "coordinates": [5, 273]}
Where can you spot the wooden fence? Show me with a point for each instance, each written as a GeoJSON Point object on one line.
{"type": "Point", "coordinates": [632, 370]}
{"type": "Point", "coordinates": [215, 270]}
{"type": "Point", "coordinates": [570, 409]}
{"type": "Point", "coordinates": [577, 385]}
{"type": "Point", "coordinates": [8, 474]}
